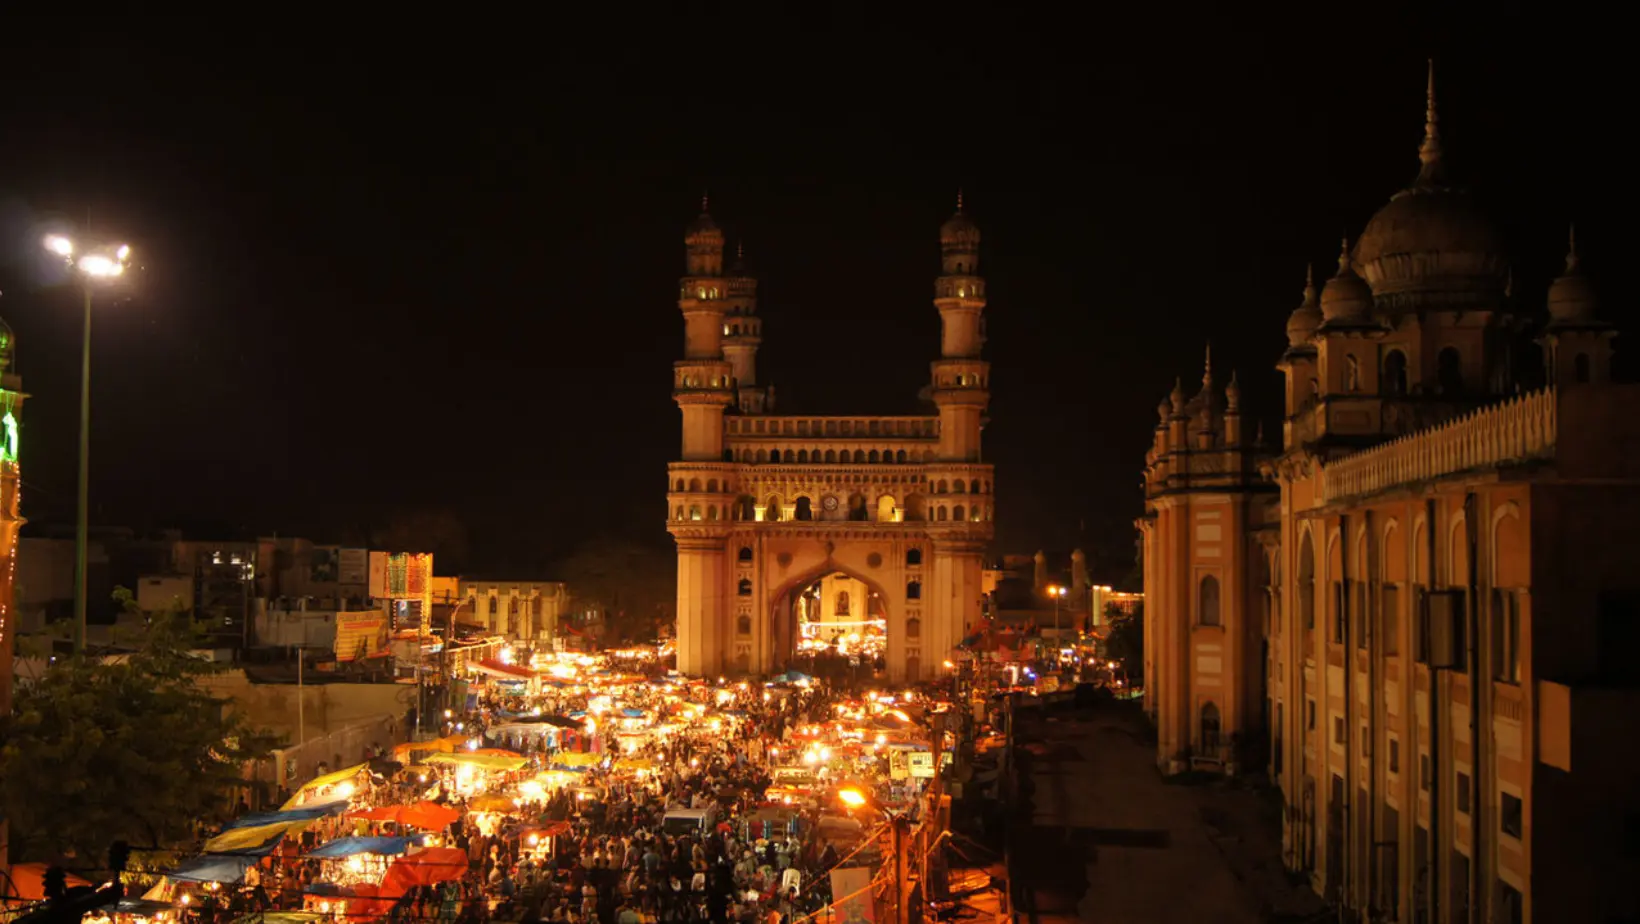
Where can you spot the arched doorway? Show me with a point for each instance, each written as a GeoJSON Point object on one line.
{"type": "Point", "coordinates": [830, 622]}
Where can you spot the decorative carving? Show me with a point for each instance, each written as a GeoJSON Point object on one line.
{"type": "Point", "coordinates": [784, 560]}
{"type": "Point", "coordinates": [874, 560]}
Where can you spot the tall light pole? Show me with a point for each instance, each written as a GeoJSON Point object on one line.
{"type": "Point", "coordinates": [95, 266]}
{"type": "Point", "coordinates": [1057, 593]}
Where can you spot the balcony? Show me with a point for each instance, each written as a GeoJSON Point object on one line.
{"type": "Point", "coordinates": [1512, 432]}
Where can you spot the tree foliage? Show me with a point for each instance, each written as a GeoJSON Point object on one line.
{"type": "Point", "coordinates": [633, 586]}
{"type": "Point", "coordinates": [125, 748]}
{"type": "Point", "coordinates": [437, 531]}
{"type": "Point", "coordinates": [1126, 642]}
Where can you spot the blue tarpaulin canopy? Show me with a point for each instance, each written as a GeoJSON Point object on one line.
{"type": "Point", "coordinates": [351, 846]}
{"type": "Point", "coordinates": [305, 813]}
{"type": "Point", "coordinates": [213, 868]}
{"type": "Point", "coordinates": [631, 713]}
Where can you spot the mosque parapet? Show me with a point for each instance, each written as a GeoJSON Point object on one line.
{"type": "Point", "coordinates": [1515, 431]}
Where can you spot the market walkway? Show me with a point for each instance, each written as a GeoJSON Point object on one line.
{"type": "Point", "coordinates": [1107, 841]}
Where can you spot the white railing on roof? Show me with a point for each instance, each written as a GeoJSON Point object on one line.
{"type": "Point", "coordinates": [1514, 430]}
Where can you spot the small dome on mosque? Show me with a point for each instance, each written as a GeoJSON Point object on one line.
{"type": "Point", "coordinates": [1571, 296]}
{"type": "Point", "coordinates": [1431, 238]}
{"type": "Point", "coordinates": [1346, 298]}
{"type": "Point", "coordinates": [1306, 318]}
{"type": "Point", "coordinates": [959, 229]}
{"type": "Point", "coordinates": [703, 229]}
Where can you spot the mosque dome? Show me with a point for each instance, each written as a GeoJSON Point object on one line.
{"type": "Point", "coordinates": [959, 230]}
{"type": "Point", "coordinates": [1571, 297]}
{"type": "Point", "coordinates": [1432, 241]}
{"type": "Point", "coordinates": [703, 229]}
{"type": "Point", "coordinates": [1346, 299]}
{"type": "Point", "coordinates": [1306, 318]}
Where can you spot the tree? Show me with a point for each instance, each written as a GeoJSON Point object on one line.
{"type": "Point", "coordinates": [437, 531]}
{"type": "Point", "coordinates": [632, 586]}
{"type": "Point", "coordinates": [129, 748]}
{"type": "Point", "coordinates": [1126, 642]}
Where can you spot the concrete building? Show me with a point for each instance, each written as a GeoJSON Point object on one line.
{"type": "Point", "coordinates": [520, 610]}
{"type": "Point", "coordinates": [1435, 620]}
{"type": "Point", "coordinates": [763, 506]}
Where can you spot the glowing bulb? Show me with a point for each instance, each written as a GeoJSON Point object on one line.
{"type": "Point", "coordinates": [100, 266]}
{"type": "Point", "coordinates": [62, 247]}
{"type": "Point", "coordinates": [123, 253]}
{"type": "Point", "coordinates": [345, 790]}
{"type": "Point", "coordinates": [853, 798]}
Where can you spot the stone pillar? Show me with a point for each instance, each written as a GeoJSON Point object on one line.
{"type": "Point", "coordinates": [702, 605]}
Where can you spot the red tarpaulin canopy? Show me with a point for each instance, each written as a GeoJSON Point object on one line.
{"type": "Point", "coordinates": [30, 880]}
{"type": "Point", "coordinates": [427, 815]}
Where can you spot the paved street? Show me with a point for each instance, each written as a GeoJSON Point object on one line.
{"type": "Point", "coordinates": [1107, 841]}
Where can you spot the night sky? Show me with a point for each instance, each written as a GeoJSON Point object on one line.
{"type": "Point", "coordinates": [419, 265]}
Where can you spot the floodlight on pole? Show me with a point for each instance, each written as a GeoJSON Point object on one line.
{"type": "Point", "coordinates": [97, 265]}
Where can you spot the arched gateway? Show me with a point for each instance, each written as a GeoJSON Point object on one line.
{"type": "Point", "coordinates": [895, 512]}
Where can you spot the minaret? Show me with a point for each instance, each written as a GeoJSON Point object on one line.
{"type": "Point", "coordinates": [703, 384]}
{"type": "Point", "coordinates": [1577, 344]}
{"type": "Point", "coordinates": [961, 378]}
{"type": "Point", "coordinates": [742, 333]}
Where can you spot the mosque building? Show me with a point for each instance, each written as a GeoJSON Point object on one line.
{"type": "Point", "coordinates": [857, 534]}
{"type": "Point", "coordinates": [1417, 614]}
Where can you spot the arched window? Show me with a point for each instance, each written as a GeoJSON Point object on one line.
{"type": "Point", "coordinates": [940, 513]}
{"type": "Point", "coordinates": [973, 486]}
{"type": "Point", "coordinates": [939, 487]}
{"type": "Point", "coordinates": [1352, 374]}
{"type": "Point", "coordinates": [857, 509]}
{"type": "Point", "coordinates": [744, 589]}
{"type": "Point", "coordinates": [472, 605]}
{"type": "Point", "coordinates": [1395, 374]}
{"type": "Point", "coordinates": [774, 455]}
{"type": "Point", "coordinates": [913, 590]}
{"type": "Point", "coordinates": [762, 456]}
{"type": "Point", "coordinates": [512, 606]}
{"type": "Point", "coordinates": [1207, 602]}
{"type": "Point", "coordinates": [913, 557]}
{"type": "Point", "coordinates": [885, 508]}
{"type": "Point", "coordinates": [495, 606]}
{"type": "Point", "coordinates": [957, 513]}
{"type": "Point", "coordinates": [694, 513]}
{"type": "Point", "coordinates": [802, 455]}
{"type": "Point", "coordinates": [711, 486]}
{"type": "Point", "coordinates": [957, 487]}
{"type": "Point", "coordinates": [1580, 368]}
{"type": "Point", "coordinates": [859, 456]}
{"type": "Point", "coordinates": [711, 512]}
{"type": "Point", "coordinates": [1449, 371]}
{"type": "Point", "coordinates": [841, 606]}
{"type": "Point", "coordinates": [871, 456]}
{"type": "Point", "coordinates": [1210, 730]}
{"type": "Point", "coordinates": [746, 509]}
{"type": "Point", "coordinates": [1306, 584]}
{"type": "Point", "coordinates": [913, 628]}
{"type": "Point", "coordinates": [771, 511]}
{"type": "Point", "coordinates": [899, 457]}
{"type": "Point", "coordinates": [745, 553]}
{"type": "Point", "coordinates": [831, 456]}
{"type": "Point", "coordinates": [678, 514]}
{"type": "Point", "coordinates": [681, 486]}
{"type": "Point", "coordinates": [805, 509]}
{"type": "Point", "coordinates": [743, 626]}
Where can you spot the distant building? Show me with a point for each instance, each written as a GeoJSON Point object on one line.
{"type": "Point", "coordinates": [521, 610]}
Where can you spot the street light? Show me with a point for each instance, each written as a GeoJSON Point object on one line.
{"type": "Point", "coordinates": [1057, 593]}
{"type": "Point", "coordinates": [95, 266]}
{"type": "Point", "coordinates": [899, 827]}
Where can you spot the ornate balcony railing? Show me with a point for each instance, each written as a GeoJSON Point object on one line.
{"type": "Point", "coordinates": [1515, 430]}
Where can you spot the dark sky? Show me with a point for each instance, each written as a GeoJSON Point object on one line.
{"type": "Point", "coordinates": [418, 265]}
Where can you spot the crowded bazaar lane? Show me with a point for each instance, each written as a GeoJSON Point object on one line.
{"type": "Point", "coordinates": [589, 789]}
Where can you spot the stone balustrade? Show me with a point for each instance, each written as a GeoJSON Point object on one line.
{"type": "Point", "coordinates": [773, 427]}
{"type": "Point", "coordinates": [1512, 431]}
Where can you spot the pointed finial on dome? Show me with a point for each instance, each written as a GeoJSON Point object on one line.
{"type": "Point", "coordinates": [1429, 152]}
{"type": "Point", "coordinates": [959, 198]}
{"type": "Point", "coordinates": [705, 201]}
{"type": "Point", "coordinates": [1207, 363]}
{"type": "Point", "coordinates": [1177, 396]}
{"type": "Point", "coordinates": [1573, 264]}
{"type": "Point", "coordinates": [740, 250]}
{"type": "Point", "coordinates": [1344, 257]}
{"type": "Point", "coordinates": [1258, 433]}
{"type": "Point", "coordinates": [1232, 394]}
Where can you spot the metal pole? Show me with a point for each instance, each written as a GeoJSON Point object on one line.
{"type": "Point", "coordinates": [301, 703]}
{"type": "Point", "coordinates": [899, 825]}
{"type": "Point", "coordinates": [82, 526]}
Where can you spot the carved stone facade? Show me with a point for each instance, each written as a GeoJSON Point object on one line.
{"type": "Point", "coordinates": [762, 506]}
{"type": "Point", "coordinates": [1450, 594]}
